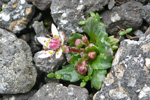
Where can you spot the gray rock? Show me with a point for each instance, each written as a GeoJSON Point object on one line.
{"type": "Point", "coordinates": [55, 91]}
{"type": "Point", "coordinates": [129, 77]}
{"type": "Point", "coordinates": [139, 34]}
{"type": "Point", "coordinates": [16, 15]}
{"type": "Point", "coordinates": [25, 96]}
{"type": "Point", "coordinates": [125, 16]}
{"type": "Point", "coordinates": [48, 65]}
{"type": "Point", "coordinates": [17, 73]}
{"type": "Point", "coordinates": [145, 13]}
{"type": "Point", "coordinates": [124, 1]}
{"type": "Point", "coordinates": [41, 4]}
{"type": "Point", "coordinates": [39, 29]}
{"type": "Point", "coordinates": [67, 13]}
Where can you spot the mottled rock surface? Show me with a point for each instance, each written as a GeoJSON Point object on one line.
{"type": "Point", "coordinates": [41, 4]}
{"type": "Point", "coordinates": [129, 77]}
{"type": "Point", "coordinates": [48, 65]}
{"type": "Point", "coordinates": [16, 15]}
{"type": "Point", "coordinates": [125, 16]}
{"type": "Point", "coordinates": [17, 73]}
{"type": "Point", "coordinates": [145, 13]}
{"type": "Point", "coordinates": [55, 91]}
{"type": "Point", "coordinates": [67, 13]}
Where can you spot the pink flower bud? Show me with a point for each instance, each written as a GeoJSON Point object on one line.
{"type": "Point", "coordinates": [91, 45]}
{"type": "Point", "coordinates": [82, 69]}
{"type": "Point", "coordinates": [84, 38]}
{"type": "Point", "coordinates": [54, 44]}
{"type": "Point", "coordinates": [78, 43]}
{"type": "Point", "coordinates": [92, 55]}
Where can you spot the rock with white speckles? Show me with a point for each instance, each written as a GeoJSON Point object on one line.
{"type": "Point", "coordinates": [48, 65]}
{"type": "Point", "coordinates": [55, 91]}
{"type": "Point", "coordinates": [24, 96]}
{"type": "Point", "coordinates": [17, 72]}
{"type": "Point", "coordinates": [129, 77]}
{"type": "Point", "coordinates": [125, 16]}
{"type": "Point", "coordinates": [67, 13]}
{"type": "Point", "coordinates": [41, 4]}
{"type": "Point", "coordinates": [16, 15]}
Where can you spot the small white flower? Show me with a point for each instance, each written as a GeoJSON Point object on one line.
{"type": "Point", "coordinates": [55, 44]}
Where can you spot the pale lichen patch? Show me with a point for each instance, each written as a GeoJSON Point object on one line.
{"type": "Point", "coordinates": [146, 47]}
{"type": "Point", "coordinates": [119, 71]}
{"type": "Point", "coordinates": [109, 79]}
{"type": "Point", "coordinates": [144, 92]}
{"type": "Point", "coordinates": [117, 56]}
{"type": "Point", "coordinates": [17, 23]}
{"type": "Point", "coordinates": [118, 93]}
{"type": "Point", "coordinates": [115, 17]}
{"type": "Point", "coordinates": [28, 11]}
{"type": "Point", "coordinates": [14, 5]}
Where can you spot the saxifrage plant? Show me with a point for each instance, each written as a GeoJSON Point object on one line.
{"type": "Point", "coordinates": [91, 54]}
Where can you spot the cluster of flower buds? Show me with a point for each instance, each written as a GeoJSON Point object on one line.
{"type": "Point", "coordinates": [82, 68]}
{"type": "Point", "coordinates": [80, 42]}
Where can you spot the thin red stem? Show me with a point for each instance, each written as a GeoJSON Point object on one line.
{"type": "Point", "coordinates": [76, 50]}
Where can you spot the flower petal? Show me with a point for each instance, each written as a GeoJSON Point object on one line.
{"type": "Point", "coordinates": [54, 31]}
{"type": "Point", "coordinates": [62, 38]}
{"type": "Point", "coordinates": [44, 41]}
{"type": "Point", "coordinates": [46, 54]}
{"type": "Point", "coordinates": [59, 53]}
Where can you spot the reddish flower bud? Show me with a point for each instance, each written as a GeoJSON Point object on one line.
{"type": "Point", "coordinates": [82, 69]}
{"type": "Point", "coordinates": [84, 38]}
{"type": "Point", "coordinates": [91, 45]}
{"type": "Point", "coordinates": [54, 44]}
{"type": "Point", "coordinates": [78, 43]}
{"type": "Point", "coordinates": [92, 55]}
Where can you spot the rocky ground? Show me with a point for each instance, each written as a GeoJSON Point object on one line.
{"type": "Point", "coordinates": [23, 75]}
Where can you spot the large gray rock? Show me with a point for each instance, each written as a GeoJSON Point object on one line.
{"type": "Point", "coordinates": [41, 4]}
{"type": "Point", "coordinates": [145, 13]}
{"type": "Point", "coordinates": [125, 16]}
{"type": "Point", "coordinates": [55, 91]}
{"type": "Point", "coordinates": [17, 73]}
{"type": "Point", "coordinates": [16, 15]}
{"type": "Point", "coordinates": [129, 77]}
{"type": "Point", "coordinates": [67, 13]}
{"type": "Point", "coordinates": [25, 96]}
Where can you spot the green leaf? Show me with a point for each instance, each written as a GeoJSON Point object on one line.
{"type": "Point", "coordinates": [93, 48]}
{"type": "Point", "coordinates": [82, 84]}
{"type": "Point", "coordinates": [73, 37]}
{"type": "Point", "coordinates": [94, 30]}
{"type": "Point", "coordinates": [102, 62]}
{"type": "Point", "coordinates": [122, 33]}
{"type": "Point", "coordinates": [69, 73]}
{"type": "Point", "coordinates": [112, 40]}
{"type": "Point", "coordinates": [82, 22]}
{"type": "Point", "coordinates": [50, 75]}
{"type": "Point", "coordinates": [128, 30]}
{"type": "Point", "coordinates": [98, 78]}
{"type": "Point", "coordinates": [86, 78]}
{"type": "Point", "coordinates": [92, 14]}
{"type": "Point", "coordinates": [58, 76]}
{"type": "Point", "coordinates": [90, 70]}
{"type": "Point", "coordinates": [97, 17]}
{"type": "Point", "coordinates": [74, 58]}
